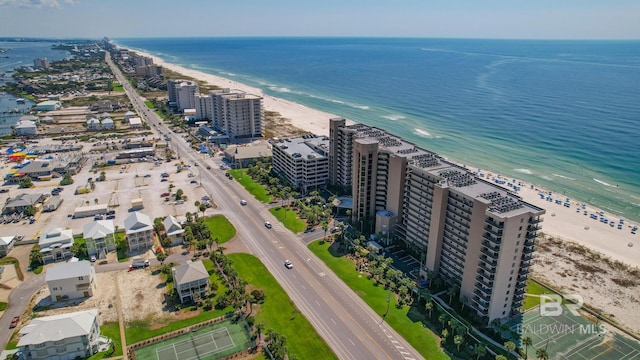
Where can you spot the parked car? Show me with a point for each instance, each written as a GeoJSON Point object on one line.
{"type": "Point", "coordinates": [92, 258]}
{"type": "Point", "coordinates": [193, 182]}
{"type": "Point", "coordinates": [164, 194]}
{"type": "Point", "coordinates": [14, 322]}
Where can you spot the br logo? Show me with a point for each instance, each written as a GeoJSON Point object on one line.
{"type": "Point", "coordinates": [551, 304]}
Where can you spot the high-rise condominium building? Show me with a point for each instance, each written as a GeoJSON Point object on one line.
{"type": "Point", "coordinates": [234, 112]}
{"type": "Point", "coordinates": [477, 235]}
{"type": "Point", "coordinates": [303, 161]}
{"type": "Point", "coordinates": [41, 63]}
{"type": "Point", "coordinates": [182, 94]}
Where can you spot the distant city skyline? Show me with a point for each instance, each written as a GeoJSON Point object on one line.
{"type": "Point", "coordinates": [545, 19]}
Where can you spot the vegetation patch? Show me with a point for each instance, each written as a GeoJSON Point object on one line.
{"type": "Point", "coordinates": [220, 228]}
{"type": "Point", "coordinates": [289, 218]}
{"type": "Point", "coordinates": [257, 190]}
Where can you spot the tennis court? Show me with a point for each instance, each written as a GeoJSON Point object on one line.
{"type": "Point", "coordinates": [570, 337]}
{"type": "Point", "coordinates": [211, 342]}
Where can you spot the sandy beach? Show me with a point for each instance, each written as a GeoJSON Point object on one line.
{"type": "Point", "coordinates": [559, 221]}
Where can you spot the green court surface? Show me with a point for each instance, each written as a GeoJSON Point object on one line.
{"type": "Point", "coordinates": [208, 343]}
{"type": "Point", "coordinates": [570, 337]}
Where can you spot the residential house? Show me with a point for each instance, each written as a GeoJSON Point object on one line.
{"type": "Point", "coordinates": [173, 230]}
{"type": "Point", "coordinates": [108, 124]}
{"type": "Point", "coordinates": [104, 115]}
{"type": "Point", "coordinates": [6, 244]}
{"type": "Point", "coordinates": [49, 105]}
{"type": "Point", "coordinates": [71, 280]}
{"type": "Point", "coordinates": [139, 230]}
{"type": "Point", "coordinates": [93, 124]}
{"type": "Point", "coordinates": [135, 122]}
{"type": "Point", "coordinates": [21, 202]}
{"type": "Point", "coordinates": [25, 127]}
{"type": "Point", "coordinates": [62, 337]}
{"type": "Point", "coordinates": [191, 281]}
{"type": "Point", "coordinates": [99, 237]}
{"type": "Point", "coordinates": [56, 245]}
{"type": "Point", "coordinates": [129, 114]}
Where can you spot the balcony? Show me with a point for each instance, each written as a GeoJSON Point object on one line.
{"type": "Point", "coordinates": [493, 239]}
{"type": "Point", "coordinates": [535, 221]}
{"type": "Point", "coordinates": [523, 272]}
{"type": "Point", "coordinates": [491, 254]}
{"type": "Point", "coordinates": [493, 230]}
{"type": "Point", "coordinates": [495, 224]}
{"type": "Point", "coordinates": [531, 236]}
{"type": "Point", "coordinates": [519, 292]}
{"type": "Point", "coordinates": [482, 295]}
{"type": "Point", "coordinates": [533, 227]}
{"type": "Point", "coordinates": [489, 262]}
{"type": "Point", "coordinates": [529, 243]}
{"type": "Point", "coordinates": [528, 250]}
{"type": "Point", "coordinates": [523, 279]}
{"type": "Point", "coordinates": [486, 284]}
{"type": "Point", "coordinates": [527, 257]}
{"type": "Point", "coordinates": [490, 246]}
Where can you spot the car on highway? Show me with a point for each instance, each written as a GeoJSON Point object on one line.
{"type": "Point", "coordinates": [243, 202]}
{"type": "Point", "coordinates": [193, 182]}
{"type": "Point", "coordinates": [208, 167]}
{"type": "Point", "coordinates": [14, 322]}
{"type": "Point", "coordinates": [164, 194]}
{"type": "Point", "coordinates": [267, 225]}
{"type": "Point", "coordinates": [288, 264]}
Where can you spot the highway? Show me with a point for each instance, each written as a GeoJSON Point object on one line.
{"type": "Point", "coordinates": [348, 325]}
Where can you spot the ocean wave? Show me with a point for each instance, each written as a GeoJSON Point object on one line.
{"type": "Point", "coordinates": [547, 177]}
{"type": "Point", "coordinates": [603, 182]}
{"type": "Point", "coordinates": [279, 89]}
{"type": "Point", "coordinates": [422, 133]}
{"type": "Point", "coordinates": [361, 107]}
{"type": "Point", "coordinates": [337, 101]}
{"type": "Point", "coordinates": [394, 117]}
{"type": "Point", "coordinates": [564, 177]}
{"type": "Point", "coordinates": [524, 171]}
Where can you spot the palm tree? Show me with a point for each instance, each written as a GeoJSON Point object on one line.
{"type": "Point", "coordinates": [259, 327]}
{"type": "Point", "coordinates": [444, 335]}
{"type": "Point", "coordinates": [526, 341]}
{"type": "Point", "coordinates": [457, 340]}
{"type": "Point", "coordinates": [480, 351]}
{"type": "Point", "coordinates": [451, 292]}
{"type": "Point", "coordinates": [325, 227]}
{"type": "Point", "coordinates": [501, 357]}
{"type": "Point", "coordinates": [541, 354]}
{"type": "Point", "coordinates": [443, 318]}
{"type": "Point", "coordinates": [429, 306]}
{"type": "Point", "coordinates": [510, 346]}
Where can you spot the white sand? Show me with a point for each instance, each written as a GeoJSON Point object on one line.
{"type": "Point", "coordinates": [566, 224]}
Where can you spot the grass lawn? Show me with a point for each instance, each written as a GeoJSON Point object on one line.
{"type": "Point", "coordinates": [258, 191]}
{"type": "Point", "coordinates": [116, 86]}
{"type": "Point", "coordinates": [534, 288]}
{"type": "Point", "coordinates": [220, 228]}
{"type": "Point", "coordinates": [423, 340]}
{"type": "Point", "coordinates": [149, 104]}
{"type": "Point", "coordinates": [112, 331]}
{"type": "Point", "coordinates": [289, 218]}
{"type": "Point", "coordinates": [279, 313]}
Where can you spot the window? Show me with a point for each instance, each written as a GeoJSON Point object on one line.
{"type": "Point", "coordinates": [80, 278]}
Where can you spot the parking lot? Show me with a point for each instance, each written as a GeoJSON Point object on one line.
{"type": "Point", "coordinates": [136, 180]}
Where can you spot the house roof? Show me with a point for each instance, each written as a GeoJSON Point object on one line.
{"type": "Point", "coordinates": [137, 222]}
{"type": "Point", "coordinates": [98, 229]}
{"type": "Point", "coordinates": [58, 327]}
{"type": "Point", "coordinates": [135, 121]}
{"type": "Point", "coordinates": [68, 270]}
{"type": "Point", "coordinates": [172, 226]}
{"type": "Point", "coordinates": [93, 121]}
{"type": "Point", "coordinates": [24, 200]}
{"type": "Point", "coordinates": [25, 124]}
{"type": "Point", "coordinates": [107, 120]}
{"type": "Point", "coordinates": [56, 236]}
{"type": "Point", "coordinates": [6, 240]}
{"type": "Point", "coordinates": [190, 271]}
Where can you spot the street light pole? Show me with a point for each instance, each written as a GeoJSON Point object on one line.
{"type": "Point", "coordinates": [386, 312]}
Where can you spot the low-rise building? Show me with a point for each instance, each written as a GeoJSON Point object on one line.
{"type": "Point", "coordinates": [56, 244]}
{"type": "Point", "coordinates": [108, 124]}
{"type": "Point", "coordinates": [129, 114]}
{"type": "Point", "coordinates": [93, 124]}
{"type": "Point", "coordinates": [26, 127]}
{"type": "Point", "coordinates": [90, 210]}
{"type": "Point", "coordinates": [6, 244]}
{"type": "Point", "coordinates": [21, 202]}
{"type": "Point", "coordinates": [65, 336]}
{"type": "Point", "coordinates": [99, 236]}
{"type": "Point", "coordinates": [139, 230]}
{"type": "Point", "coordinates": [49, 105]}
{"type": "Point", "coordinates": [243, 156]}
{"type": "Point", "coordinates": [135, 122]}
{"type": "Point", "coordinates": [173, 230]}
{"type": "Point", "coordinates": [71, 280]}
{"type": "Point", "coordinates": [191, 281]}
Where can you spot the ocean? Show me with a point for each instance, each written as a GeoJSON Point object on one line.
{"type": "Point", "coordinates": [559, 114]}
{"type": "Point", "coordinates": [20, 53]}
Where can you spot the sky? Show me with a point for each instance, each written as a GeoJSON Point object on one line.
{"type": "Point", "coordinates": [511, 19]}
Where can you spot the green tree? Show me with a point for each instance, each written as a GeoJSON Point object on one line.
{"type": "Point", "coordinates": [444, 334]}
{"type": "Point", "coordinates": [501, 357]}
{"type": "Point", "coordinates": [103, 176]}
{"type": "Point", "coordinates": [429, 307]}
{"type": "Point", "coordinates": [510, 346]}
{"type": "Point", "coordinates": [29, 211]}
{"type": "Point", "coordinates": [541, 354]}
{"type": "Point", "coordinates": [79, 249]}
{"type": "Point", "coordinates": [35, 256]}
{"type": "Point", "coordinates": [451, 292]}
{"type": "Point", "coordinates": [457, 340]}
{"type": "Point", "coordinates": [480, 351]}
{"type": "Point", "coordinates": [259, 327]}
{"type": "Point", "coordinates": [527, 341]}
{"type": "Point", "coordinates": [161, 256]}
{"type": "Point", "coordinates": [25, 183]}
{"type": "Point", "coordinates": [66, 180]}
{"type": "Point", "coordinates": [325, 227]}
{"type": "Point", "coordinates": [179, 194]}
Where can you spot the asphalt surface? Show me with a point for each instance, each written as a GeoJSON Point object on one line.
{"type": "Point", "coordinates": [350, 328]}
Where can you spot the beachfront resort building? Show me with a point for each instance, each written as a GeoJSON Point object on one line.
{"type": "Point", "coordinates": [475, 234]}
{"type": "Point", "coordinates": [233, 112]}
{"type": "Point", "coordinates": [73, 335]}
{"type": "Point", "coordinates": [41, 63]}
{"type": "Point", "coordinates": [182, 94]}
{"type": "Point", "coordinates": [303, 161]}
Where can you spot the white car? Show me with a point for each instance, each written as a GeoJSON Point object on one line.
{"type": "Point", "coordinates": [243, 203]}
{"type": "Point", "coordinates": [267, 224]}
{"type": "Point", "coordinates": [288, 264]}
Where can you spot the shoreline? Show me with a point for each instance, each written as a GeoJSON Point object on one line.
{"type": "Point", "coordinates": [559, 221]}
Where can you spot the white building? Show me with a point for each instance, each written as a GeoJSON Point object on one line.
{"type": "Point", "coordinates": [191, 281]}
{"type": "Point", "coordinates": [71, 280]}
{"type": "Point", "coordinates": [41, 63]}
{"type": "Point", "coordinates": [303, 161]}
{"type": "Point", "coordinates": [93, 124]}
{"type": "Point", "coordinates": [237, 114]}
{"type": "Point", "coordinates": [173, 230]}
{"type": "Point", "coordinates": [49, 105]}
{"type": "Point", "coordinates": [139, 230]}
{"type": "Point", "coordinates": [108, 123]}
{"type": "Point", "coordinates": [185, 95]}
{"type": "Point", "coordinates": [26, 127]}
{"type": "Point", "coordinates": [62, 337]}
{"type": "Point", "coordinates": [99, 237]}
{"type": "Point", "coordinates": [129, 114]}
{"type": "Point", "coordinates": [56, 245]}
{"type": "Point", "coordinates": [6, 244]}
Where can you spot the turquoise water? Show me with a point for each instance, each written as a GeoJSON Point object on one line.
{"type": "Point", "coordinates": [559, 114]}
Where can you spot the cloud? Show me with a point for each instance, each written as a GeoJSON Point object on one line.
{"type": "Point", "coordinates": [38, 4]}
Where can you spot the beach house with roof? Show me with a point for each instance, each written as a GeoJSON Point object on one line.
{"type": "Point", "coordinates": [65, 336]}
{"type": "Point", "coordinates": [25, 127]}
{"type": "Point", "coordinates": [108, 123]}
{"type": "Point", "coordinates": [173, 230]}
{"type": "Point", "coordinates": [71, 280]}
{"type": "Point", "coordinates": [135, 122]}
{"type": "Point", "coordinates": [139, 230]}
{"type": "Point", "coordinates": [56, 245]}
{"type": "Point", "coordinates": [191, 281]}
{"type": "Point", "coordinates": [129, 114]}
{"type": "Point", "coordinates": [49, 105]}
{"type": "Point", "coordinates": [93, 124]}
{"type": "Point", "coordinates": [99, 237]}
{"type": "Point", "coordinates": [19, 203]}
{"type": "Point", "coordinates": [6, 244]}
